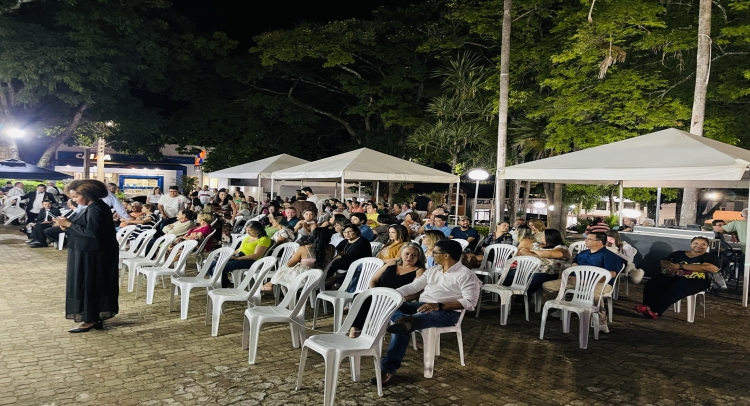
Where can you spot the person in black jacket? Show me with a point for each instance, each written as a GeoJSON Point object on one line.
{"type": "Point", "coordinates": [353, 247]}
{"type": "Point", "coordinates": [37, 239]}
{"type": "Point", "coordinates": [92, 285]}
{"type": "Point", "coordinates": [34, 204]}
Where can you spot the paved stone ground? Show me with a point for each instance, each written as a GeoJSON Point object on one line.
{"type": "Point", "coordinates": [148, 356]}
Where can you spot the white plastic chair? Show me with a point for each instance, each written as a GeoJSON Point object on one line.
{"type": "Point", "coordinates": [612, 296]}
{"type": "Point", "coordinates": [240, 293]}
{"type": "Point", "coordinates": [187, 283]}
{"type": "Point", "coordinates": [173, 266]}
{"type": "Point", "coordinates": [577, 247]}
{"type": "Point", "coordinates": [692, 301]}
{"type": "Point", "coordinates": [123, 234]}
{"type": "Point", "coordinates": [199, 251]}
{"type": "Point", "coordinates": [582, 302]}
{"type": "Point", "coordinates": [526, 267]}
{"type": "Point", "coordinates": [629, 267]}
{"type": "Point", "coordinates": [500, 253]}
{"type": "Point", "coordinates": [290, 310]}
{"type": "Point", "coordinates": [137, 249]}
{"type": "Point", "coordinates": [337, 346]}
{"type": "Point", "coordinates": [340, 298]}
{"type": "Point", "coordinates": [11, 209]}
{"type": "Point", "coordinates": [154, 257]}
{"type": "Point", "coordinates": [418, 239]}
{"type": "Point", "coordinates": [431, 343]}
{"type": "Point", "coordinates": [375, 247]}
{"type": "Point", "coordinates": [463, 243]}
{"type": "Point", "coordinates": [282, 253]}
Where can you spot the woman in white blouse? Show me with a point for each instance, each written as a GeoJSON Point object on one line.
{"type": "Point", "coordinates": [154, 196]}
{"type": "Point", "coordinates": [620, 247]}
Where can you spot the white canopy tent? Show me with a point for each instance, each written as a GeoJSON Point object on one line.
{"type": "Point", "coordinates": [261, 169]}
{"type": "Point", "coordinates": [365, 165]}
{"type": "Point", "coordinates": [667, 158]}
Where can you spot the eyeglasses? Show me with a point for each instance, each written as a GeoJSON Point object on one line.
{"type": "Point", "coordinates": [594, 239]}
{"type": "Point", "coordinates": [348, 232]}
{"type": "Point", "coordinates": [437, 253]}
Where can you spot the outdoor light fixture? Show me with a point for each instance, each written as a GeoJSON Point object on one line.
{"type": "Point", "coordinates": [15, 132]}
{"type": "Point", "coordinates": [551, 208]}
{"type": "Point", "coordinates": [631, 213]}
{"type": "Point", "coordinates": [477, 175]}
{"type": "Point", "coordinates": [712, 195]}
{"type": "Point", "coordinates": [539, 205]}
{"type": "Point", "coordinates": [572, 206]}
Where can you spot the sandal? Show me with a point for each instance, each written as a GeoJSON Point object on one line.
{"type": "Point", "coordinates": [642, 308]}
{"type": "Point", "coordinates": [650, 315]}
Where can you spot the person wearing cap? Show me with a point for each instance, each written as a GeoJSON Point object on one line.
{"type": "Point", "coordinates": [738, 227]}
{"type": "Point", "coordinates": [465, 232]}
{"type": "Point", "coordinates": [170, 205]}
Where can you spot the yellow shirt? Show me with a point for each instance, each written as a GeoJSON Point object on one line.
{"type": "Point", "coordinates": [374, 218]}
{"type": "Point", "coordinates": [248, 246]}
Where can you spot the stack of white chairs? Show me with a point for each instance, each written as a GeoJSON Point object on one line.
{"type": "Point", "coordinates": [137, 249]}
{"type": "Point", "coordinates": [154, 257]}
{"type": "Point", "coordinates": [431, 343]}
{"type": "Point", "coordinates": [242, 292]}
{"type": "Point", "coordinates": [186, 283]}
{"type": "Point", "coordinates": [340, 298]}
{"type": "Point", "coordinates": [526, 268]}
{"type": "Point", "coordinates": [173, 266]}
{"type": "Point", "coordinates": [290, 310]}
{"type": "Point", "coordinates": [337, 346]}
{"type": "Point", "coordinates": [582, 302]}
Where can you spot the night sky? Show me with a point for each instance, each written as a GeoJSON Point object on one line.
{"type": "Point", "coordinates": [243, 19]}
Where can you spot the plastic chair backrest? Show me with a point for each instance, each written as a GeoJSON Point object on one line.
{"type": "Point", "coordinates": [184, 249]}
{"type": "Point", "coordinates": [418, 238]}
{"type": "Point", "coordinates": [586, 278]}
{"type": "Point", "coordinates": [159, 247]}
{"type": "Point", "coordinates": [366, 273]}
{"type": "Point", "coordinates": [124, 232]}
{"type": "Point", "coordinates": [221, 256]}
{"type": "Point", "coordinates": [577, 247]}
{"type": "Point", "coordinates": [205, 241]}
{"type": "Point", "coordinates": [307, 282]}
{"type": "Point", "coordinates": [284, 251]}
{"type": "Point", "coordinates": [501, 253]}
{"type": "Point", "coordinates": [140, 243]}
{"type": "Point", "coordinates": [463, 242]}
{"type": "Point", "coordinates": [257, 272]}
{"type": "Point", "coordinates": [12, 201]}
{"type": "Point", "coordinates": [384, 303]}
{"type": "Point", "coordinates": [526, 267]}
{"type": "Point", "coordinates": [375, 247]}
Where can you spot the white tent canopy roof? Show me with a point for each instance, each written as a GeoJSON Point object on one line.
{"type": "Point", "coordinates": [667, 158]}
{"type": "Point", "coordinates": [262, 168]}
{"type": "Point", "coordinates": [366, 165]}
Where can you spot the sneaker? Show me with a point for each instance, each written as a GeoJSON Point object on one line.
{"type": "Point", "coordinates": [385, 377]}
{"type": "Point", "coordinates": [401, 326]}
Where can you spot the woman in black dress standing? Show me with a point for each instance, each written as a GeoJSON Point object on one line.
{"type": "Point", "coordinates": [92, 286]}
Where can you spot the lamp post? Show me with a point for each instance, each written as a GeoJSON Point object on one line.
{"type": "Point", "coordinates": [538, 206]}
{"type": "Point", "coordinates": [477, 175]}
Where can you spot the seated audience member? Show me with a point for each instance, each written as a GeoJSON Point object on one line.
{"type": "Point", "coordinates": [183, 225]}
{"type": "Point", "coordinates": [359, 219]}
{"type": "Point", "coordinates": [519, 222]}
{"type": "Point", "coordinates": [537, 229]}
{"type": "Point", "coordinates": [394, 274]}
{"type": "Point", "coordinates": [683, 274]}
{"type": "Point", "coordinates": [154, 196]}
{"type": "Point", "coordinates": [198, 233]}
{"type": "Point", "coordinates": [253, 247]}
{"type": "Point", "coordinates": [37, 238]}
{"type": "Point", "coordinates": [445, 288]}
{"type": "Point", "coordinates": [620, 247]}
{"type": "Point", "coordinates": [371, 212]}
{"type": "Point", "coordinates": [465, 232]}
{"type": "Point", "coordinates": [648, 223]}
{"type": "Point", "coordinates": [135, 211]}
{"type": "Point", "coordinates": [597, 255]}
{"type": "Point", "coordinates": [431, 237]}
{"type": "Point", "coordinates": [439, 224]}
{"type": "Point", "coordinates": [525, 238]}
{"type": "Point", "coordinates": [500, 236]}
{"type": "Point", "coordinates": [227, 208]}
{"type": "Point", "coordinates": [315, 253]}
{"type": "Point", "coordinates": [146, 222]}
{"type": "Point", "coordinates": [34, 201]}
{"type": "Point", "coordinates": [718, 227]}
{"type": "Point", "coordinates": [627, 225]}
{"type": "Point", "coordinates": [53, 233]}
{"type": "Point", "coordinates": [597, 226]}
{"type": "Point", "coordinates": [338, 227]}
{"type": "Point", "coordinates": [395, 211]}
{"type": "Point", "coordinates": [305, 226]}
{"type": "Point", "coordinates": [398, 237]}
{"type": "Point", "coordinates": [284, 234]}
{"type": "Point", "coordinates": [301, 204]}
{"type": "Point", "coordinates": [356, 208]}
{"type": "Point", "coordinates": [554, 255]}
{"type": "Point", "coordinates": [737, 227]}
{"type": "Point", "coordinates": [354, 247]}
{"type": "Point", "coordinates": [290, 213]}
{"type": "Point", "coordinates": [381, 231]}
{"type": "Point", "coordinates": [412, 223]}
{"type": "Point", "coordinates": [405, 209]}
{"type": "Point", "coordinates": [226, 235]}
{"type": "Point", "coordinates": [170, 205]}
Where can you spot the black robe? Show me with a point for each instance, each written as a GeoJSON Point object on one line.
{"type": "Point", "coordinates": [92, 285]}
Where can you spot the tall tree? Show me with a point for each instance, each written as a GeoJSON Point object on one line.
{"type": "Point", "coordinates": [502, 121]}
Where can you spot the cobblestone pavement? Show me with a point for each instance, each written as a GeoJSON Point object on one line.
{"type": "Point", "coordinates": [148, 356]}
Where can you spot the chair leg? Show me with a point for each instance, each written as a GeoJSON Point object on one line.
{"type": "Point", "coordinates": [302, 361]}
{"type": "Point", "coordinates": [538, 301]}
{"type": "Point", "coordinates": [138, 284]}
{"type": "Point", "coordinates": [691, 308]}
{"type": "Point", "coordinates": [610, 305]}
{"type": "Point", "coordinates": [209, 304]}
{"type": "Point", "coordinates": [565, 321]}
{"type": "Point", "coordinates": [215, 317]}
{"type": "Point", "coordinates": [414, 339]}
{"type": "Point", "coordinates": [315, 312]}
{"type": "Point", "coordinates": [429, 339]}
{"type": "Point", "coordinates": [172, 293]}
{"type": "Point", "coordinates": [354, 366]}
{"type": "Point", "coordinates": [338, 314]}
{"type": "Point", "coordinates": [331, 379]}
{"type": "Point", "coordinates": [184, 301]}
{"type": "Point", "coordinates": [150, 286]}
{"type": "Point", "coordinates": [377, 374]}
{"type": "Point", "coordinates": [544, 322]}
{"type": "Point", "coordinates": [583, 330]}
{"type": "Point", "coordinates": [254, 335]}
{"type": "Point", "coordinates": [131, 278]}
{"type": "Point", "coordinates": [479, 304]}
{"type": "Point", "coordinates": [459, 338]}
{"type": "Point", "coordinates": [526, 305]}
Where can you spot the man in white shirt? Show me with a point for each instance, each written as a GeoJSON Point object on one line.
{"type": "Point", "coordinates": [16, 190]}
{"type": "Point", "coordinates": [34, 204]}
{"type": "Point", "coordinates": [170, 205]}
{"type": "Point", "coordinates": [312, 198]}
{"type": "Point", "coordinates": [204, 195]}
{"type": "Point", "coordinates": [405, 209]}
{"type": "Point", "coordinates": [446, 289]}
{"type": "Point", "coordinates": [115, 203]}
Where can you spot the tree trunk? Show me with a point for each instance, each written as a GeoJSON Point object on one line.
{"type": "Point", "coordinates": [526, 192]}
{"type": "Point", "coordinates": [512, 200]}
{"type": "Point", "coordinates": [611, 202]}
{"type": "Point", "coordinates": [559, 214]}
{"type": "Point", "coordinates": [448, 198]}
{"type": "Point", "coordinates": [60, 138]}
{"type": "Point", "coordinates": [502, 115]}
{"type": "Point", "coordinates": [100, 159]}
{"type": "Point", "coordinates": [702, 70]}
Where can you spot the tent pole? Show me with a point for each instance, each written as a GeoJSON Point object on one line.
{"type": "Point", "coordinates": [377, 193]}
{"type": "Point", "coordinates": [359, 191]}
{"type": "Point", "coordinates": [335, 189]}
{"type": "Point", "coordinates": [458, 191]}
{"type": "Point", "coordinates": [342, 189]}
{"type": "Point", "coordinates": [476, 199]}
{"type": "Point", "coordinates": [259, 195]}
{"type": "Point", "coordinates": [272, 186]}
{"type": "Point", "coordinates": [658, 206]}
{"type": "Point", "coordinates": [619, 213]}
{"type": "Point", "coordinates": [746, 275]}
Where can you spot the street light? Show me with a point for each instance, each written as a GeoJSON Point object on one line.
{"type": "Point", "coordinates": [15, 132]}
{"type": "Point", "coordinates": [539, 206]}
{"type": "Point", "coordinates": [477, 175]}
